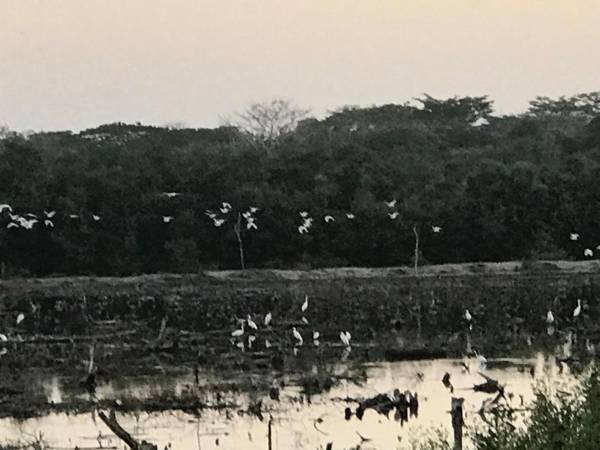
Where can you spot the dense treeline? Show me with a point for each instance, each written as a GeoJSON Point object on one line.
{"type": "Point", "coordinates": [501, 188]}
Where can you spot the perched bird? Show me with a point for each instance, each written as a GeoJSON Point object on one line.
{"type": "Point", "coordinates": [304, 306]}
{"type": "Point", "coordinates": [49, 223]}
{"type": "Point", "coordinates": [316, 335]}
{"type": "Point", "coordinates": [73, 216]}
{"type": "Point", "coordinates": [393, 215]}
{"type": "Point", "coordinates": [12, 225]}
{"type": "Point", "coordinates": [350, 216]}
{"type": "Point", "coordinates": [588, 252]}
{"type": "Point", "coordinates": [436, 229]}
{"type": "Point", "coordinates": [239, 332]}
{"type": "Point", "coordinates": [210, 214]}
{"type": "Point", "coordinates": [468, 316]}
{"type": "Point", "coordinates": [253, 209]}
{"type": "Point", "coordinates": [297, 336]}
{"type": "Point", "coordinates": [577, 310]}
{"type": "Point", "coordinates": [167, 219]}
{"type": "Point", "coordinates": [345, 338]}
{"type": "Point", "coordinates": [574, 236]}
{"type": "Point", "coordinates": [268, 318]}
{"type": "Point", "coordinates": [329, 219]}
{"type": "Point", "coordinates": [549, 318]}
{"type": "Point", "coordinates": [20, 318]}
{"type": "Point", "coordinates": [391, 204]}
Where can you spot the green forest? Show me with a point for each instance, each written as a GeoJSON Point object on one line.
{"type": "Point", "coordinates": [473, 185]}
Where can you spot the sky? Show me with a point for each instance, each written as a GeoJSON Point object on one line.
{"type": "Point", "coordinates": [75, 64]}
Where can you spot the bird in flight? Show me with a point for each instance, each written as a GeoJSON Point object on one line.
{"type": "Point", "coordinates": [391, 204]}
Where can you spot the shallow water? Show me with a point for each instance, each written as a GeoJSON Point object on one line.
{"type": "Point", "coordinates": [294, 416]}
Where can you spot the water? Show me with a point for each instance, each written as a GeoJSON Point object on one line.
{"type": "Point", "coordinates": [295, 424]}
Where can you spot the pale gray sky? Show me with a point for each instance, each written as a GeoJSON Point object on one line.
{"type": "Point", "coordinates": [72, 64]}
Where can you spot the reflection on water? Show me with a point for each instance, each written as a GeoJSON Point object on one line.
{"type": "Point", "coordinates": [295, 424]}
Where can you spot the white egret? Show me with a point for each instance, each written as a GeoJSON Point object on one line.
{"type": "Point", "coordinates": [588, 252]}
{"type": "Point", "coordinates": [20, 318]}
{"type": "Point", "coordinates": [251, 340]}
{"type": "Point", "coordinates": [303, 214]}
{"type": "Point", "coordinates": [3, 337]}
{"type": "Point", "coordinates": [239, 332]}
{"type": "Point", "coordinates": [304, 306]}
{"type": "Point", "coordinates": [12, 225]}
{"type": "Point", "coordinates": [251, 225]}
{"type": "Point", "coordinates": [268, 318]}
{"type": "Point", "coordinates": [304, 320]}
{"type": "Point", "coordinates": [253, 209]}
{"type": "Point", "coordinates": [436, 229]}
{"type": "Point", "coordinates": [549, 318]}
{"type": "Point", "coordinates": [350, 216]}
{"type": "Point", "coordinates": [49, 214]}
{"type": "Point", "coordinates": [391, 204]}
{"type": "Point", "coordinates": [302, 229]}
{"type": "Point", "coordinates": [251, 323]}
{"type": "Point", "coordinates": [5, 207]}
{"type": "Point", "coordinates": [218, 222]}
{"type": "Point", "coordinates": [329, 219]}
{"type": "Point", "coordinates": [468, 316]}
{"type": "Point", "coordinates": [167, 219]}
{"type": "Point", "coordinates": [171, 194]}
{"type": "Point", "coordinates": [574, 236]}
{"type": "Point", "coordinates": [345, 338]}
{"type": "Point", "coordinates": [267, 343]}
{"type": "Point", "coordinates": [297, 336]}
{"type": "Point", "coordinates": [597, 247]}
{"type": "Point", "coordinates": [96, 218]}
{"type": "Point", "coordinates": [28, 224]}
{"type": "Point", "coordinates": [393, 215]}
{"type": "Point", "coordinates": [225, 208]}
{"type": "Point", "coordinates": [210, 214]}
{"type": "Point", "coordinates": [577, 310]}
{"type": "Point", "coordinates": [49, 223]}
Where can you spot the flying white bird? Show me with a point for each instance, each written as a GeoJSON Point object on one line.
{"type": "Point", "coordinates": [302, 229]}
{"type": "Point", "coordinates": [20, 318]}
{"type": "Point", "coordinates": [49, 223]}
{"type": "Point", "coordinates": [218, 222]}
{"type": "Point", "coordinates": [171, 194]}
{"type": "Point", "coordinates": [268, 318]}
{"type": "Point", "coordinates": [225, 207]}
{"type": "Point", "coordinates": [247, 215]}
{"type": "Point", "coordinates": [577, 310]}
{"type": "Point", "coordinates": [73, 216]}
{"type": "Point", "coordinates": [329, 219]}
{"type": "Point", "coordinates": [350, 216]}
{"type": "Point", "coordinates": [251, 323]}
{"type": "Point", "coordinates": [253, 209]}
{"type": "Point", "coordinates": [241, 346]}
{"type": "Point", "coordinates": [391, 204]}
{"type": "Point", "coordinates": [393, 215]}
{"type": "Point", "coordinates": [27, 224]}
{"type": "Point", "coordinates": [31, 215]}
{"type": "Point", "coordinates": [574, 236]}
{"type": "Point", "coordinates": [304, 306]}
{"type": "Point", "coordinates": [468, 316]}
{"type": "Point", "coordinates": [297, 336]}
{"type": "Point", "coordinates": [12, 225]}
{"type": "Point", "coordinates": [5, 207]}
{"type": "Point", "coordinates": [239, 332]}
{"type": "Point", "coordinates": [436, 229]}
{"type": "Point", "coordinates": [251, 225]}
{"type": "Point", "coordinates": [49, 214]}
{"type": "Point", "coordinates": [588, 252]}
{"type": "Point", "coordinates": [345, 338]}
{"type": "Point", "coordinates": [95, 217]}
{"type": "Point", "coordinates": [549, 317]}
{"type": "Point", "coordinates": [210, 214]}
{"type": "Point", "coordinates": [303, 214]}
{"type": "Point", "coordinates": [167, 219]}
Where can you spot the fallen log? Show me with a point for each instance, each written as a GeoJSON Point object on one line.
{"type": "Point", "coordinates": [111, 422]}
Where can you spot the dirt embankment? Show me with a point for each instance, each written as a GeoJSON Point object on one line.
{"type": "Point", "coordinates": [393, 307]}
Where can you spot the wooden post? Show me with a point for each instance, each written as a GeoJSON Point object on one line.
{"type": "Point", "coordinates": [270, 434]}
{"type": "Point", "coordinates": [456, 410]}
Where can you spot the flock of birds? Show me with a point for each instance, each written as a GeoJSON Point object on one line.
{"type": "Point", "coordinates": [245, 336]}
{"type": "Point", "coordinates": [218, 216]}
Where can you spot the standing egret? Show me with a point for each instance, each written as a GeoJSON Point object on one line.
{"type": "Point", "coordinates": [251, 323]}
{"type": "Point", "coordinates": [253, 209]}
{"type": "Point", "coordinates": [20, 318]}
{"type": "Point", "coordinates": [577, 310]}
{"type": "Point", "coordinates": [239, 332]}
{"type": "Point", "coordinates": [303, 214]}
{"type": "Point", "coordinates": [251, 225]}
{"type": "Point", "coordinates": [268, 318]}
{"type": "Point", "coordinates": [171, 194]}
{"type": "Point", "coordinates": [251, 340]}
{"type": "Point", "coordinates": [297, 336]}
{"type": "Point", "coordinates": [316, 335]}
{"type": "Point", "coordinates": [304, 320]}
{"type": "Point", "coordinates": [549, 318]}
{"type": "Point", "coordinates": [304, 306]}
{"type": "Point", "coordinates": [468, 316]}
